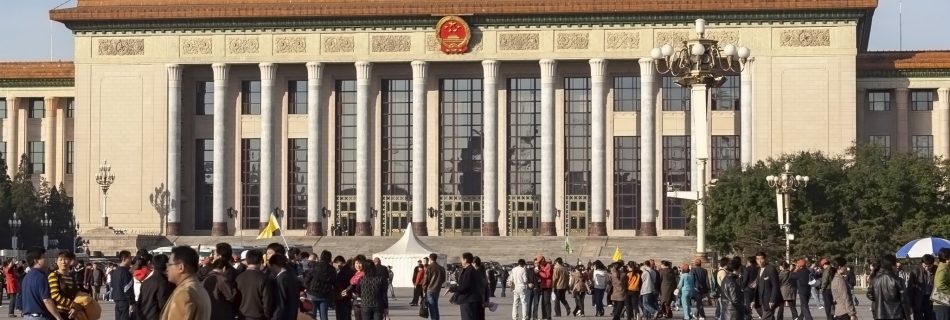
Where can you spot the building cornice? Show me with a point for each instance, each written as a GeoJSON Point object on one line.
{"type": "Point", "coordinates": [905, 73]}
{"type": "Point", "coordinates": [37, 83]}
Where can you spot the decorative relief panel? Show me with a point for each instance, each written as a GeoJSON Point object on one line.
{"type": "Point", "coordinates": [674, 38]}
{"type": "Point", "coordinates": [475, 43]}
{"type": "Point", "coordinates": [121, 47]}
{"type": "Point", "coordinates": [432, 43]}
{"type": "Point", "coordinates": [519, 41]}
{"type": "Point", "coordinates": [243, 45]}
{"type": "Point", "coordinates": [290, 45]}
{"type": "Point", "coordinates": [724, 37]}
{"type": "Point", "coordinates": [196, 46]}
{"type": "Point", "coordinates": [338, 44]}
{"type": "Point", "coordinates": [573, 40]}
{"type": "Point", "coordinates": [623, 40]}
{"type": "Point", "coordinates": [806, 38]}
{"type": "Point", "coordinates": [390, 43]}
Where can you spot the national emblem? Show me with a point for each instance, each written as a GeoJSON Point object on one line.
{"type": "Point", "coordinates": [453, 34]}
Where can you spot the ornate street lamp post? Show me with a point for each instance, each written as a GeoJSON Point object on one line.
{"type": "Point", "coordinates": [15, 225]}
{"type": "Point", "coordinates": [785, 183]}
{"type": "Point", "coordinates": [74, 226]}
{"type": "Point", "coordinates": [46, 223]}
{"type": "Point", "coordinates": [233, 214]}
{"type": "Point", "coordinates": [105, 178]}
{"type": "Point", "coordinates": [697, 64]}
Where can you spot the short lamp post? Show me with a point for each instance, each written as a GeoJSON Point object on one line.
{"type": "Point", "coordinates": [784, 184]}
{"type": "Point", "coordinates": [15, 225]}
{"type": "Point", "coordinates": [233, 214]}
{"type": "Point", "coordinates": [105, 178]}
{"type": "Point", "coordinates": [46, 223]}
{"type": "Point", "coordinates": [437, 214]}
{"type": "Point", "coordinates": [74, 227]}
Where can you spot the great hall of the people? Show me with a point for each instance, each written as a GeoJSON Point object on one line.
{"type": "Point", "coordinates": [454, 118]}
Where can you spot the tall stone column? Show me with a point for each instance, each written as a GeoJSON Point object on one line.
{"type": "Point", "coordinates": [314, 150]}
{"type": "Point", "coordinates": [49, 138]}
{"type": "Point", "coordinates": [598, 148]}
{"type": "Point", "coordinates": [747, 128]}
{"type": "Point", "coordinates": [173, 161]}
{"type": "Point", "coordinates": [648, 90]}
{"type": "Point", "coordinates": [548, 207]}
{"type": "Point", "coordinates": [13, 157]}
{"type": "Point", "coordinates": [419, 222]}
{"type": "Point", "coordinates": [942, 129]}
{"type": "Point", "coordinates": [490, 148]}
{"type": "Point", "coordinates": [268, 144]}
{"type": "Point", "coordinates": [901, 101]}
{"type": "Point", "coordinates": [219, 226]}
{"type": "Point", "coordinates": [364, 141]}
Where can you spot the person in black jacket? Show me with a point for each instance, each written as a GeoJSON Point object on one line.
{"type": "Point", "coordinates": [768, 288]}
{"type": "Point", "coordinates": [801, 276]}
{"type": "Point", "coordinates": [747, 280]}
{"type": "Point", "coordinates": [122, 292]}
{"type": "Point", "coordinates": [256, 289]}
{"type": "Point", "coordinates": [286, 289]}
{"type": "Point", "coordinates": [469, 293]}
{"type": "Point", "coordinates": [373, 287]}
{"type": "Point", "coordinates": [886, 292]}
{"type": "Point", "coordinates": [320, 286]}
{"type": "Point", "coordinates": [731, 294]}
{"type": "Point", "coordinates": [343, 305]}
{"type": "Point", "coordinates": [155, 290]}
{"type": "Point", "coordinates": [223, 292]}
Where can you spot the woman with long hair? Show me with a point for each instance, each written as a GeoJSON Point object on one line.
{"type": "Point", "coordinates": [599, 279]}
{"type": "Point", "coordinates": [580, 286]}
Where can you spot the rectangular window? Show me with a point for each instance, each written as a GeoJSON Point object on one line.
{"type": "Point", "coordinates": [3, 108]}
{"type": "Point", "coordinates": [37, 108]}
{"type": "Point", "coordinates": [577, 136]}
{"type": "Point", "coordinates": [37, 156]}
{"type": "Point", "coordinates": [923, 146]}
{"type": "Point", "coordinates": [922, 100]}
{"type": "Point", "coordinates": [675, 98]}
{"type": "Point", "coordinates": [250, 183]}
{"type": "Point", "coordinates": [3, 151]}
{"type": "Point", "coordinates": [251, 97]}
{"type": "Point", "coordinates": [879, 100]}
{"type": "Point", "coordinates": [346, 137]}
{"type": "Point", "coordinates": [676, 174]}
{"type": "Point", "coordinates": [297, 97]}
{"type": "Point", "coordinates": [397, 137]}
{"type": "Point", "coordinates": [460, 148]}
{"type": "Point", "coordinates": [726, 97]}
{"type": "Point", "coordinates": [883, 143]}
{"type": "Point", "coordinates": [204, 180]}
{"type": "Point", "coordinates": [524, 136]}
{"type": "Point", "coordinates": [626, 183]}
{"type": "Point", "coordinates": [626, 93]}
{"type": "Point", "coordinates": [725, 154]}
{"type": "Point", "coordinates": [296, 184]}
{"type": "Point", "coordinates": [70, 150]}
{"type": "Point", "coordinates": [204, 102]}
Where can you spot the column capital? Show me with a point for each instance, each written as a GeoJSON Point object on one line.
{"type": "Point", "coordinates": [314, 70]}
{"type": "Point", "coordinates": [747, 65]}
{"type": "Point", "coordinates": [490, 68]}
{"type": "Point", "coordinates": [220, 71]}
{"type": "Point", "coordinates": [268, 71]}
{"type": "Point", "coordinates": [548, 67]}
{"type": "Point", "coordinates": [943, 91]}
{"type": "Point", "coordinates": [174, 72]}
{"type": "Point", "coordinates": [598, 68]}
{"type": "Point", "coordinates": [647, 69]}
{"type": "Point", "coordinates": [363, 69]}
{"type": "Point", "coordinates": [419, 69]}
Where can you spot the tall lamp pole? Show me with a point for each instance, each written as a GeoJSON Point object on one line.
{"type": "Point", "coordinates": [105, 178]}
{"type": "Point", "coordinates": [697, 63]}
{"type": "Point", "coordinates": [15, 225]}
{"type": "Point", "coordinates": [785, 183]}
{"type": "Point", "coordinates": [46, 223]}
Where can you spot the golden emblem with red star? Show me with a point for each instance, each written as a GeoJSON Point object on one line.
{"type": "Point", "coordinates": [453, 34]}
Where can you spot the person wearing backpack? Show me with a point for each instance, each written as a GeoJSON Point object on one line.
{"type": "Point", "coordinates": [320, 286]}
{"type": "Point", "coordinates": [715, 288]}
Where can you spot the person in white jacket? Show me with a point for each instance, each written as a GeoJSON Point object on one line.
{"type": "Point", "coordinates": [648, 290]}
{"type": "Point", "coordinates": [517, 281]}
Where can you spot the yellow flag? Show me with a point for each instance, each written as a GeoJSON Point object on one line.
{"type": "Point", "coordinates": [268, 231]}
{"type": "Point", "coordinates": [617, 255]}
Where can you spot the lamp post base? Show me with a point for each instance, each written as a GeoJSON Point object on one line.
{"type": "Point", "coordinates": [420, 228]}
{"type": "Point", "coordinates": [548, 229]}
{"type": "Point", "coordinates": [105, 222]}
{"type": "Point", "coordinates": [173, 229]}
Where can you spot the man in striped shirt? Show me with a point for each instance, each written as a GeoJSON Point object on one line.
{"type": "Point", "coordinates": [62, 287]}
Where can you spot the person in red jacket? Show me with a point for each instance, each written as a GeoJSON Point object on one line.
{"type": "Point", "coordinates": [13, 285]}
{"type": "Point", "coordinates": [546, 276]}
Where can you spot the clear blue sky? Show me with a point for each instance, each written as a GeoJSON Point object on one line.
{"type": "Point", "coordinates": [25, 28]}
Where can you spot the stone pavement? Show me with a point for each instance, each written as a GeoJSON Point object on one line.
{"type": "Point", "coordinates": [400, 309]}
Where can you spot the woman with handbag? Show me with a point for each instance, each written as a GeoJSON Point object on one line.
{"type": "Point", "coordinates": [941, 293]}
{"type": "Point", "coordinates": [580, 286]}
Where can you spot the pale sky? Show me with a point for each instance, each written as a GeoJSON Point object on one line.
{"type": "Point", "coordinates": [25, 29]}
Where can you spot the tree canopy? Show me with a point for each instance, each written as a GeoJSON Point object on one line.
{"type": "Point", "coordinates": [21, 195]}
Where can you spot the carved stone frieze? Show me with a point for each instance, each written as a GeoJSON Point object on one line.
{"type": "Point", "coordinates": [337, 44]}
{"type": "Point", "coordinates": [724, 37]}
{"type": "Point", "coordinates": [432, 43]}
{"type": "Point", "coordinates": [573, 40]}
{"type": "Point", "coordinates": [121, 47]}
{"type": "Point", "coordinates": [623, 40]}
{"type": "Point", "coordinates": [674, 38]}
{"type": "Point", "coordinates": [519, 41]}
{"type": "Point", "coordinates": [390, 43]}
{"type": "Point", "coordinates": [290, 45]}
{"type": "Point", "coordinates": [196, 46]}
{"type": "Point", "coordinates": [243, 45]}
{"type": "Point", "coordinates": [806, 38]}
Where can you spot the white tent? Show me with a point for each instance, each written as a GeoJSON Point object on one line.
{"type": "Point", "coordinates": [404, 256]}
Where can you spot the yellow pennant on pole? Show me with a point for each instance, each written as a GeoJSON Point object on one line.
{"type": "Point", "coordinates": [617, 256]}
{"type": "Point", "coordinates": [268, 231]}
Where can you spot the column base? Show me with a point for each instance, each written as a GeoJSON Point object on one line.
{"type": "Point", "coordinates": [548, 229]}
{"type": "Point", "coordinates": [173, 229]}
{"type": "Point", "coordinates": [364, 229]}
{"type": "Point", "coordinates": [315, 229]}
{"type": "Point", "coordinates": [648, 229]}
{"type": "Point", "coordinates": [702, 256]}
{"type": "Point", "coordinates": [420, 229]}
{"type": "Point", "coordinates": [597, 229]}
{"type": "Point", "coordinates": [219, 229]}
{"type": "Point", "coordinates": [490, 229]}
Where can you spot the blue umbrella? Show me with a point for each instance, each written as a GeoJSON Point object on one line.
{"type": "Point", "coordinates": [918, 248]}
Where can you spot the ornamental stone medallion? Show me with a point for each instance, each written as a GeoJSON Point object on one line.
{"type": "Point", "coordinates": [337, 44]}
{"type": "Point", "coordinates": [290, 45]}
{"type": "Point", "coordinates": [623, 40]}
{"type": "Point", "coordinates": [519, 41]}
{"type": "Point", "coordinates": [390, 43]}
{"type": "Point", "coordinates": [806, 38]}
{"type": "Point", "coordinates": [674, 38]}
{"type": "Point", "coordinates": [121, 47]}
{"type": "Point", "coordinates": [573, 41]}
{"type": "Point", "coordinates": [196, 46]}
{"type": "Point", "coordinates": [243, 45]}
